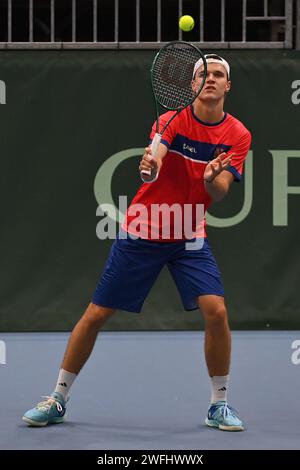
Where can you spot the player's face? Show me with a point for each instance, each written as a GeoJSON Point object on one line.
{"type": "Point", "coordinates": [216, 84]}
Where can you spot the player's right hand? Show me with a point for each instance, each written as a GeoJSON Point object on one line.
{"type": "Point", "coordinates": [149, 163]}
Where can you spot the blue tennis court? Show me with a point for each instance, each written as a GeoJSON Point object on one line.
{"type": "Point", "coordinates": [150, 391]}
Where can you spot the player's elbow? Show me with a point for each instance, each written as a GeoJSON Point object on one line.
{"type": "Point", "coordinates": [220, 193]}
{"type": "Point", "coordinates": [218, 197]}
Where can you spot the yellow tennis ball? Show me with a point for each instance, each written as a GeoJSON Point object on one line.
{"type": "Point", "coordinates": [186, 23]}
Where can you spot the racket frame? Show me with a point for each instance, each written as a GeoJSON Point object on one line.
{"type": "Point", "coordinates": [158, 135]}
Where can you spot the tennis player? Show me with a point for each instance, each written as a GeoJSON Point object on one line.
{"type": "Point", "coordinates": [202, 152]}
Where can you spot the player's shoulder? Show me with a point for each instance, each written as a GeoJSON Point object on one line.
{"type": "Point", "coordinates": [166, 116]}
{"type": "Point", "coordinates": [163, 119]}
{"type": "Point", "coordinates": [237, 126]}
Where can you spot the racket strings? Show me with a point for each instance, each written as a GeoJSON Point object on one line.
{"type": "Point", "coordinates": [172, 76]}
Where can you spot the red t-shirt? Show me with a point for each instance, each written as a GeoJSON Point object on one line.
{"type": "Point", "coordinates": [160, 210]}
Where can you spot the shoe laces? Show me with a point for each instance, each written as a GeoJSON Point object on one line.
{"type": "Point", "coordinates": [228, 410]}
{"type": "Point", "coordinates": [46, 405]}
{"type": "Point", "coordinates": [225, 410]}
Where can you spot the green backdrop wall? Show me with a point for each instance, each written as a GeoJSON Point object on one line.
{"type": "Point", "coordinates": [63, 114]}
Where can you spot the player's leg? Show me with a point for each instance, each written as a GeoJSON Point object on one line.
{"type": "Point", "coordinates": [199, 283]}
{"type": "Point", "coordinates": [79, 348]}
{"type": "Point", "coordinates": [130, 272]}
{"type": "Point", "coordinates": [217, 343]}
{"type": "Point", "coordinates": [83, 337]}
{"type": "Point", "coordinates": [217, 347]}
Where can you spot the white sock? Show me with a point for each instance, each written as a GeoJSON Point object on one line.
{"type": "Point", "coordinates": [219, 387]}
{"type": "Point", "coordinates": [64, 382]}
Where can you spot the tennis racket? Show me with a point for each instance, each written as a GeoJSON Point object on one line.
{"type": "Point", "coordinates": [171, 81]}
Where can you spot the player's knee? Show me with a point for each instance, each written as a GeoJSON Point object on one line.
{"type": "Point", "coordinates": [217, 314]}
{"type": "Point", "coordinates": [96, 315]}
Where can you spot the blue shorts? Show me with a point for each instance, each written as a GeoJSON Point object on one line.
{"type": "Point", "coordinates": [134, 265]}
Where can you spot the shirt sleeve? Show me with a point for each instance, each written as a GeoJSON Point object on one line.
{"type": "Point", "coordinates": [170, 132]}
{"type": "Point", "coordinates": [240, 149]}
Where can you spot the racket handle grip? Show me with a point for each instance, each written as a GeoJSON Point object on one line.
{"type": "Point", "coordinates": [155, 144]}
{"type": "Point", "coordinates": [154, 147]}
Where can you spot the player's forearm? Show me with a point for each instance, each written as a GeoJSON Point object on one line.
{"type": "Point", "coordinates": [217, 189]}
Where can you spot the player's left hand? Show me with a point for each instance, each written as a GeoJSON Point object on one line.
{"type": "Point", "coordinates": [216, 166]}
